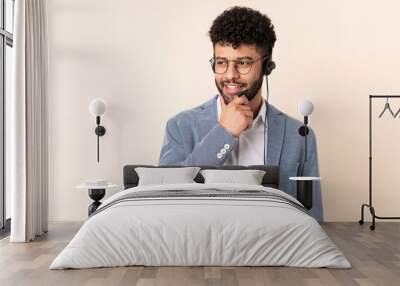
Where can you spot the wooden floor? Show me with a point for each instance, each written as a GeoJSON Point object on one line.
{"type": "Point", "coordinates": [374, 255]}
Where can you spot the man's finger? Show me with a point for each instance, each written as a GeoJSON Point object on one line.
{"type": "Point", "coordinates": [235, 98]}
{"type": "Point", "coordinates": [243, 107]}
{"type": "Point", "coordinates": [232, 101]}
{"type": "Point", "coordinates": [246, 100]}
{"type": "Point", "coordinates": [242, 100]}
{"type": "Point", "coordinates": [248, 114]}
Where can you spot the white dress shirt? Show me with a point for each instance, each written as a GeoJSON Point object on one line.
{"type": "Point", "coordinates": [250, 148]}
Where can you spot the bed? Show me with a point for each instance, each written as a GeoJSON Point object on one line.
{"type": "Point", "coordinates": [201, 224]}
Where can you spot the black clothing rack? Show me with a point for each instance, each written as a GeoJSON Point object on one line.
{"type": "Point", "coordinates": [369, 205]}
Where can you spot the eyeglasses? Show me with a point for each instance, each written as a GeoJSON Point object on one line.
{"type": "Point", "coordinates": [220, 66]}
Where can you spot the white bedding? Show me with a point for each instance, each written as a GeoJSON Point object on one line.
{"type": "Point", "coordinates": [181, 231]}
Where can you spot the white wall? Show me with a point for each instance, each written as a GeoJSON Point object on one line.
{"type": "Point", "coordinates": [149, 60]}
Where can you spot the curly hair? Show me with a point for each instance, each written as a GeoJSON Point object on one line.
{"type": "Point", "coordinates": [239, 25]}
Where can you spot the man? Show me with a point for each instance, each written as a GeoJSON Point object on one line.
{"type": "Point", "coordinates": [231, 129]}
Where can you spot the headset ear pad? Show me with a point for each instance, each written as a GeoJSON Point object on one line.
{"type": "Point", "coordinates": [268, 66]}
{"type": "Point", "coordinates": [212, 62]}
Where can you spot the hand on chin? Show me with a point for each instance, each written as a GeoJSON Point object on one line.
{"type": "Point", "coordinates": [229, 97]}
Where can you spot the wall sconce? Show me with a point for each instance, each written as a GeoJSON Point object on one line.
{"type": "Point", "coordinates": [305, 108]}
{"type": "Point", "coordinates": [97, 108]}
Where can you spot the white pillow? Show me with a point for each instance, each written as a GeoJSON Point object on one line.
{"type": "Point", "coordinates": [249, 177]}
{"type": "Point", "coordinates": [162, 176]}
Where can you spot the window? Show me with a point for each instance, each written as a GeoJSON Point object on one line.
{"type": "Point", "coordinates": [6, 45]}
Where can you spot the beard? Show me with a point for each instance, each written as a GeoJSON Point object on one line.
{"type": "Point", "coordinates": [250, 93]}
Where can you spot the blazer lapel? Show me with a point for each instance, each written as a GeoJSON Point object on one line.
{"type": "Point", "coordinates": [276, 132]}
{"type": "Point", "coordinates": [209, 116]}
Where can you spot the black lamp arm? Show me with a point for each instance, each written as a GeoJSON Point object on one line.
{"type": "Point", "coordinates": [100, 131]}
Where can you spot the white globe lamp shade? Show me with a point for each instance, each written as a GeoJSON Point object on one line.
{"type": "Point", "coordinates": [306, 107]}
{"type": "Point", "coordinates": [97, 107]}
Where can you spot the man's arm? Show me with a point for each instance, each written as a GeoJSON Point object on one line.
{"type": "Point", "coordinates": [206, 152]}
{"type": "Point", "coordinates": [311, 168]}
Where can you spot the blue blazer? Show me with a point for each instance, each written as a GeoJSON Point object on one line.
{"type": "Point", "coordinates": [195, 137]}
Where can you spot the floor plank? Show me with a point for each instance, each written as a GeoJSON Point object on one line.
{"type": "Point", "coordinates": [374, 255]}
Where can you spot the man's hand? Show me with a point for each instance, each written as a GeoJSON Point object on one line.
{"type": "Point", "coordinates": [236, 116]}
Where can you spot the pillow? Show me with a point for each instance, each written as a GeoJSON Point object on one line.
{"type": "Point", "coordinates": [162, 176]}
{"type": "Point", "coordinates": [249, 177]}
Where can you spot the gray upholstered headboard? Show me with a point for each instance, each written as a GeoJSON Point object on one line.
{"type": "Point", "coordinates": [270, 179]}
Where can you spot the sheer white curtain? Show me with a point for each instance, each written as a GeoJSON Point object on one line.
{"type": "Point", "coordinates": [28, 160]}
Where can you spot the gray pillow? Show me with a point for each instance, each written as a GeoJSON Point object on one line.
{"type": "Point", "coordinates": [162, 176]}
{"type": "Point", "coordinates": [248, 177]}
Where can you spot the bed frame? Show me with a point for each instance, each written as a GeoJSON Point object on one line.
{"type": "Point", "coordinates": [270, 179]}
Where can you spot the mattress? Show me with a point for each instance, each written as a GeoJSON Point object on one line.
{"type": "Point", "coordinates": [201, 225]}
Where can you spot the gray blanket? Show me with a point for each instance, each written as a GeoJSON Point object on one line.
{"type": "Point", "coordinates": [203, 194]}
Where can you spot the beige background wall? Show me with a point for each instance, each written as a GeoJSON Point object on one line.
{"type": "Point", "coordinates": [149, 60]}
